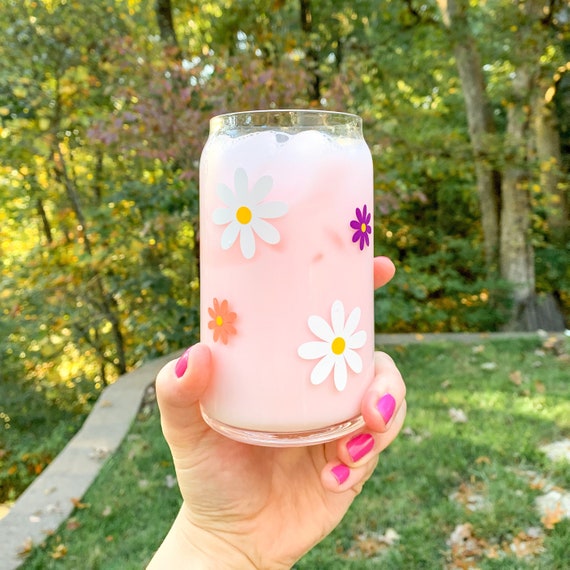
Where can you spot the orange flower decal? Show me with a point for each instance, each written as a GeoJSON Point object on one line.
{"type": "Point", "coordinates": [222, 321]}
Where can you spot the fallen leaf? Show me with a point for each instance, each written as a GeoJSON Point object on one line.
{"type": "Point", "coordinates": [458, 416]}
{"type": "Point", "coordinates": [100, 453]}
{"type": "Point", "coordinates": [59, 552]}
{"type": "Point", "coordinates": [539, 387]}
{"type": "Point", "coordinates": [78, 504]}
{"type": "Point", "coordinates": [370, 544]}
{"type": "Point", "coordinates": [106, 511]}
{"type": "Point", "coordinates": [537, 484]}
{"type": "Point", "coordinates": [472, 497]}
{"type": "Point", "coordinates": [72, 524]}
{"type": "Point", "coordinates": [477, 349]}
{"type": "Point", "coordinates": [552, 517]}
{"type": "Point", "coordinates": [516, 377]}
{"type": "Point", "coordinates": [482, 459]}
{"type": "Point", "coordinates": [170, 481]}
{"type": "Point", "coordinates": [466, 548]}
{"type": "Point", "coordinates": [554, 344]}
{"type": "Point", "coordinates": [557, 450]}
{"type": "Point", "coordinates": [26, 548]}
{"type": "Point", "coordinates": [527, 544]}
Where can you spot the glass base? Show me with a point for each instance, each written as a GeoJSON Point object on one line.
{"type": "Point", "coordinates": [285, 439]}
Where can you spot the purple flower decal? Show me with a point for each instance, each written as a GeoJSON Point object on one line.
{"type": "Point", "coordinates": [362, 227]}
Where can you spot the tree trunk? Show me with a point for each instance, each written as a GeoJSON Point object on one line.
{"type": "Point", "coordinates": [480, 122]}
{"type": "Point", "coordinates": [45, 221]}
{"type": "Point", "coordinates": [165, 21]}
{"type": "Point", "coordinates": [516, 253]}
{"type": "Point", "coordinates": [106, 302]}
{"type": "Point", "coordinates": [549, 155]}
{"type": "Point", "coordinates": [312, 54]}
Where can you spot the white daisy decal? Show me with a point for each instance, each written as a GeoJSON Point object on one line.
{"type": "Point", "coordinates": [337, 347]}
{"type": "Point", "coordinates": [246, 213]}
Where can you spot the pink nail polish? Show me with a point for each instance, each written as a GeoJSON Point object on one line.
{"type": "Point", "coordinates": [359, 446]}
{"type": "Point", "coordinates": [182, 364]}
{"type": "Point", "coordinates": [341, 473]}
{"type": "Point", "coordinates": [386, 406]}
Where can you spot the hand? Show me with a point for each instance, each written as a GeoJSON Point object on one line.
{"type": "Point", "coordinates": [260, 507]}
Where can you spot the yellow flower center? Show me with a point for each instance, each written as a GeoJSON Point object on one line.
{"type": "Point", "coordinates": [338, 345]}
{"type": "Point", "coordinates": [219, 321]}
{"type": "Point", "coordinates": [363, 228]}
{"type": "Point", "coordinates": [243, 215]}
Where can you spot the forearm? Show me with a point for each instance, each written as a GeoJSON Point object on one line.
{"type": "Point", "coordinates": [187, 546]}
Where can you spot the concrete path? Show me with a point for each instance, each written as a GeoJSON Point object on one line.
{"type": "Point", "coordinates": [49, 500]}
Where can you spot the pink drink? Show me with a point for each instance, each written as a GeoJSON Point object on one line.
{"type": "Point", "coordinates": [286, 275]}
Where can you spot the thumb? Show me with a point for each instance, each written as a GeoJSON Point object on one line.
{"type": "Point", "coordinates": [179, 386]}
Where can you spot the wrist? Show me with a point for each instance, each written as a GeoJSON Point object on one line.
{"type": "Point", "coordinates": [188, 546]}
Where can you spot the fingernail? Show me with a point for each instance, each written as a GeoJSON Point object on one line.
{"type": "Point", "coordinates": [341, 473]}
{"type": "Point", "coordinates": [359, 446]}
{"type": "Point", "coordinates": [386, 406]}
{"type": "Point", "coordinates": [182, 364]}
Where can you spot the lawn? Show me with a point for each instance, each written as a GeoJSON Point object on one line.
{"type": "Point", "coordinates": [456, 490]}
{"type": "Point", "coordinates": [29, 415]}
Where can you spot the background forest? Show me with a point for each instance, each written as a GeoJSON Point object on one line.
{"type": "Point", "coordinates": [104, 109]}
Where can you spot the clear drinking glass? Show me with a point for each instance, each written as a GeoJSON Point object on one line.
{"type": "Point", "coordinates": [286, 257]}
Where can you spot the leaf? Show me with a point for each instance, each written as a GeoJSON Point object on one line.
{"type": "Point", "coordinates": [516, 377]}
{"type": "Point", "coordinates": [370, 544]}
{"type": "Point", "coordinates": [26, 548]}
{"type": "Point", "coordinates": [552, 517]}
{"type": "Point", "coordinates": [528, 543]}
{"type": "Point", "coordinates": [78, 504]}
{"type": "Point", "coordinates": [458, 416]}
{"type": "Point", "coordinates": [170, 481]}
{"type": "Point", "coordinates": [59, 552]}
{"type": "Point", "coordinates": [72, 524]}
{"type": "Point", "coordinates": [482, 459]}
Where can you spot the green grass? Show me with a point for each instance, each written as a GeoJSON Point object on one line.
{"type": "Point", "coordinates": [512, 410]}
{"type": "Point", "coordinates": [29, 415]}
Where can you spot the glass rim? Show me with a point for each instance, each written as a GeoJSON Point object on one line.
{"type": "Point", "coordinates": [287, 119]}
{"type": "Point", "coordinates": [284, 110]}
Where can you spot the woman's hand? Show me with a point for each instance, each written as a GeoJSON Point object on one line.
{"type": "Point", "coordinates": [261, 507]}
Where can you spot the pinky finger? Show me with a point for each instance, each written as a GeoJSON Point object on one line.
{"type": "Point", "coordinates": [338, 477]}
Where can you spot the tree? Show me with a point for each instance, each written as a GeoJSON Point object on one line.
{"type": "Point", "coordinates": [505, 199]}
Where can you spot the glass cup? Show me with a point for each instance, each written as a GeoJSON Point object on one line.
{"type": "Point", "coordinates": [286, 275]}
